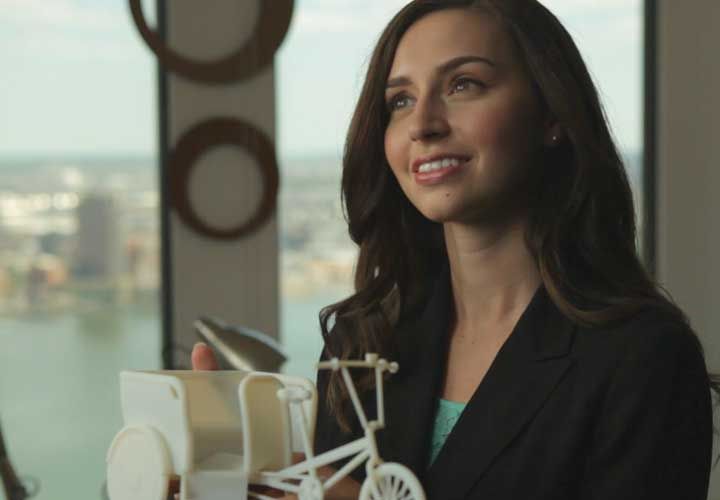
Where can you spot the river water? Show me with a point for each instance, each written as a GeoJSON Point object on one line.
{"type": "Point", "coordinates": [59, 392]}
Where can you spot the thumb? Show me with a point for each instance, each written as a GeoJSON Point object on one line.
{"type": "Point", "coordinates": [203, 358]}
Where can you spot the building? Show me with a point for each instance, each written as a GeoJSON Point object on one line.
{"type": "Point", "coordinates": [99, 243]}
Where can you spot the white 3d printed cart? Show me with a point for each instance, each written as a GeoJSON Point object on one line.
{"type": "Point", "coordinates": [218, 432]}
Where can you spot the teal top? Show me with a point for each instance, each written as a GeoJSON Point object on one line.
{"type": "Point", "coordinates": [447, 414]}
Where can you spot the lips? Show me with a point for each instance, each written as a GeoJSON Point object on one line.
{"type": "Point", "coordinates": [437, 157]}
{"type": "Point", "coordinates": [429, 175]}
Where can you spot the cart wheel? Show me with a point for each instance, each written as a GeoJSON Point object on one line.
{"type": "Point", "coordinates": [311, 489]}
{"type": "Point", "coordinates": [138, 466]}
{"type": "Point", "coordinates": [394, 482]}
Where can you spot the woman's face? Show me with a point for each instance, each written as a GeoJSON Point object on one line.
{"type": "Point", "coordinates": [464, 122]}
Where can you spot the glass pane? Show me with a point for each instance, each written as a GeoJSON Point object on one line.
{"type": "Point", "coordinates": [79, 235]}
{"type": "Point", "coordinates": [320, 70]}
{"type": "Point", "coordinates": [317, 85]}
{"type": "Point", "coordinates": [610, 35]}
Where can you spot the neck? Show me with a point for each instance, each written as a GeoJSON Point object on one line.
{"type": "Point", "coordinates": [493, 276]}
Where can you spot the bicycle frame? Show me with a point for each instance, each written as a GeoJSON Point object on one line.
{"type": "Point", "coordinates": [364, 449]}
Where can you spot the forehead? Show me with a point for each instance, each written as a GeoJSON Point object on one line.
{"type": "Point", "coordinates": [442, 35]}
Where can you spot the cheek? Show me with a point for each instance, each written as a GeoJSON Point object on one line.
{"type": "Point", "coordinates": [394, 150]}
{"type": "Point", "coordinates": [505, 128]}
{"type": "Point", "coordinates": [495, 128]}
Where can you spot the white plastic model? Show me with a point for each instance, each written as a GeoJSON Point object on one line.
{"type": "Point", "coordinates": [219, 432]}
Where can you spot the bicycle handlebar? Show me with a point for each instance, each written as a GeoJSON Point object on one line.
{"type": "Point", "coordinates": [371, 361]}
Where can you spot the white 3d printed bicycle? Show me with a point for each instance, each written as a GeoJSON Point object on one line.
{"type": "Point", "coordinates": [219, 432]}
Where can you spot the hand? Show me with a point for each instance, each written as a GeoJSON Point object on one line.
{"type": "Point", "coordinates": [346, 489]}
{"type": "Point", "coordinates": [203, 358]}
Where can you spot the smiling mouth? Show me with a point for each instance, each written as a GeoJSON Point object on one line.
{"type": "Point", "coordinates": [435, 165]}
{"type": "Point", "coordinates": [437, 171]}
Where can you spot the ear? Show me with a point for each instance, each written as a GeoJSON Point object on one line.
{"type": "Point", "coordinates": [554, 133]}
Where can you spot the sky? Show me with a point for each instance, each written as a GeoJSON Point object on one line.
{"type": "Point", "coordinates": [78, 79]}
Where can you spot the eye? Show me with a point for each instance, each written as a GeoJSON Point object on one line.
{"type": "Point", "coordinates": [463, 83]}
{"type": "Point", "coordinates": [398, 101]}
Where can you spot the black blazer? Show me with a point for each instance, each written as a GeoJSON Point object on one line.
{"type": "Point", "coordinates": [564, 412]}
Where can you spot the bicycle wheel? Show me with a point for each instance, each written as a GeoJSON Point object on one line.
{"type": "Point", "coordinates": [138, 465]}
{"type": "Point", "coordinates": [394, 482]}
{"type": "Point", "coordinates": [311, 489]}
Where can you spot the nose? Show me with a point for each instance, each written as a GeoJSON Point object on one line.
{"type": "Point", "coordinates": [429, 120]}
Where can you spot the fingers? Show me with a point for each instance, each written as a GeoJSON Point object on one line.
{"type": "Point", "coordinates": [174, 491]}
{"type": "Point", "coordinates": [272, 492]}
{"type": "Point", "coordinates": [203, 358]}
{"type": "Point", "coordinates": [174, 488]}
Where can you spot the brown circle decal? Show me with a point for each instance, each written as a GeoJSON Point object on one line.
{"type": "Point", "coordinates": [199, 139]}
{"type": "Point", "coordinates": [273, 23]}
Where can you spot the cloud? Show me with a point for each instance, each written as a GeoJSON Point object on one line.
{"type": "Point", "coordinates": [583, 5]}
{"type": "Point", "coordinates": [43, 13]}
{"type": "Point", "coordinates": [317, 21]}
{"type": "Point", "coordinates": [67, 30]}
{"type": "Point", "coordinates": [343, 16]}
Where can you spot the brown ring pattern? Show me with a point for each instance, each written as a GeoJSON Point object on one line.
{"type": "Point", "coordinates": [273, 23]}
{"type": "Point", "coordinates": [198, 140]}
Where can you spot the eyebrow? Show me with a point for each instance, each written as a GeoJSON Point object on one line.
{"type": "Point", "coordinates": [443, 68]}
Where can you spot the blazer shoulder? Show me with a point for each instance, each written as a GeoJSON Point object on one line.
{"type": "Point", "coordinates": [654, 416]}
{"type": "Point", "coordinates": [652, 337]}
{"type": "Point", "coordinates": [649, 324]}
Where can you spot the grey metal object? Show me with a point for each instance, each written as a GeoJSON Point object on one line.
{"type": "Point", "coordinates": [241, 348]}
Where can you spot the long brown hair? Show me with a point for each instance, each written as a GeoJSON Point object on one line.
{"type": "Point", "coordinates": [581, 227]}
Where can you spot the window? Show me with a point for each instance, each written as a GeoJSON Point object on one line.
{"type": "Point", "coordinates": [609, 34]}
{"type": "Point", "coordinates": [318, 83]}
{"type": "Point", "coordinates": [79, 271]}
{"type": "Point", "coordinates": [79, 231]}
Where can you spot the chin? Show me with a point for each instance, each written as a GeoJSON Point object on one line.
{"type": "Point", "coordinates": [440, 215]}
{"type": "Point", "coordinates": [477, 214]}
{"type": "Point", "coordinates": [445, 206]}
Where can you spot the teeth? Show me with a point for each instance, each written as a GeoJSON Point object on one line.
{"type": "Point", "coordinates": [438, 164]}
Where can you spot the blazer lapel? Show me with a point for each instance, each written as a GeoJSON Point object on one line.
{"type": "Point", "coordinates": [410, 395]}
{"type": "Point", "coordinates": [525, 371]}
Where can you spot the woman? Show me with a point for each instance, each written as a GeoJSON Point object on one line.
{"type": "Point", "coordinates": [498, 265]}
